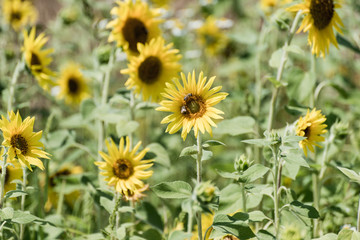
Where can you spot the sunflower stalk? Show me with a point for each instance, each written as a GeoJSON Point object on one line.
{"type": "Point", "coordinates": [280, 71]}
{"type": "Point", "coordinates": [2, 180]}
{"type": "Point", "coordinates": [276, 196]}
{"type": "Point", "coordinates": [132, 114]}
{"type": "Point", "coordinates": [18, 69]}
{"type": "Point", "coordinates": [198, 168]}
{"type": "Point", "coordinates": [61, 198]}
{"type": "Point", "coordinates": [190, 222]}
{"type": "Point", "coordinates": [243, 194]}
{"type": "Point", "coordinates": [22, 226]}
{"type": "Point", "coordinates": [358, 217]}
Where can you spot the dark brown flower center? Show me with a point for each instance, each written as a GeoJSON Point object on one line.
{"type": "Point", "coordinates": [134, 32]}
{"type": "Point", "coordinates": [210, 39]}
{"type": "Point", "coordinates": [73, 85]}
{"type": "Point", "coordinates": [307, 132]}
{"type": "Point", "coordinates": [15, 16]}
{"type": "Point", "coordinates": [7, 175]}
{"type": "Point", "coordinates": [123, 169]}
{"type": "Point", "coordinates": [322, 11]}
{"type": "Point", "coordinates": [149, 70]}
{"type": "Point", "coordinates": [61, 173]}
{"type": "Point", "coordinates": [192, 106]}
{"type": "Point", "coordinates": [35, 60]}
{"type": "Point", "coordinates": [19, 142]}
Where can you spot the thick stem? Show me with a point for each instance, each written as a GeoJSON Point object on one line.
{"type": "Point", "coordinates": [2, 180]}
{"type": "Point", "coordinates": [276, 196]}
{"type": "Point", "coordinates": [281, 69]}
{"type": "Point", "coordinates": [190, 223]}
{"type": "Point", "coordinates": [132, 115]}
{"type": "Point", "coordinates": [198, 167]}
{"type": "Point", "coordinates": [61, 198]}
{"type": "Point", "coordinates": [14, 79]}
{"type": "Point", "coordinates": [22, 226]}
{"type": "Point", "coordinates": [316, 196]}
{"type": "Point", "coordinates": [243, 194]}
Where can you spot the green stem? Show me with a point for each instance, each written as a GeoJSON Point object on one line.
{"type": "Point", "coordinates": [281, 69]}
{"type": "Point", "coordinates": [2, 180]}
{"type": "Point", "coordinates": [198, 168]}
{"type": "Point", "coordinates": [132, 115]}
{"type": "Point", "coordinates": [22, 226]}
{"type": "Point", "coordinates": [61, 198]}
{"type": "Point", "coordinates": [358, 217]}
{"type": "Point", "coordinates": [276, 196]}
{"type": "Point", "coordinates": [18, 68]}
{"type": "Point", "coordinates": [316, 196]}
{"type": "Point", "coordinates": [243, 194]}
{"type": "Point", "coordinates": [190, 223]}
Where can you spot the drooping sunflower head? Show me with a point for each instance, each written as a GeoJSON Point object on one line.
{"type": "Point", "coordinates": [23, 143]}
{"type": "Point", "coordinates": [138, 194]}
{"type": "Point", "coordinates": [211, 36]}
{"type": "Point", "coordinates": [135, 23]}
{"type": "Point", "coordinates": [311, 126]}
{"type": "Point", "coordinates": [320, 20]}
{"type": "Point", "coordinates": [73, 85]}
{"type": "Point", "coordinates": [37, 59]}
{"type": "Point", "coordinates": [156, 64]}
{"type": "Point", "coordinates": [192, 104]}
{"type": "Point", "coordinates": [124, 168]}
{"type": "Point", "coordinates": [13, 172]}
{"type": "Point", "coordinates": [19, 13]}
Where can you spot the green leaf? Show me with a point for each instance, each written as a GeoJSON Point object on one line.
{"type": "Point", "coordinates": [121, 233]}
{"type": "Point", "coordinates": [235, 225]}
{"type": "Point", "coordinates": [126, 209]}
{"type": "Point", "coordinates": [350, 174]}
{"type": "Point", "coordinates": [124, 127]}
{"type": "Point", "coordinates": [162, 155]}
{"type": "Point", "coordinates": [291, 139]}
{"type": "Point", "coordinates": [189, 151]}
{"type": "Point", "coordinates": [149, 214]}
{"type": "Point", "coordinates": [265, 235]}
{"type": "Point", "coordinates": [146, 105]}
{"type": "Point", "coordinates": [236, 126]}
{"type": "Point", "coordinates": [211, 143]}
{"type": "Point", "coordinates": [7, 213]}
{"type": "Point", "coordinates": [15, 193]}
{"type": "Point", "coordinates": [257, 216]}
{"type": "Point", "coordinates": [295, 159]}
{"type": "Point", "coordinates": [23, 217]}
{"type": "Point", "coordinates": [275, 59]}
{"type": "Point", "coordinates": [304, 210]}
{"type": "Point", "coordinates": [347, 234]}
{"type": "Point", "coordinates": [346, 43]}
{"type": "Point", "coordinates": [151, 234]}
{"type": "Point", "coordinates": [295, 49]}
{"type": "Point", "coordinates": [233, 175]}
{"type": "Point", "coordinates": [276, 83]}
{"type": "Point", "coordinates": [329, 236]}
{"type": "Point", "coordinates": [206, 155]}
{"type": "Point", "coordinates": [57, 139]}
{"type": "Point", "coordinates": [253, 173]}
{"type": "Point", "coordinates": [87, 107]}
{"type": "Point", "coordinates": [179, 235]}
{"type": "Point", "coordinates": [258, 142]}
{"type": "Point", "coordinates": [107, 204]}
{"type": "Point", "coordinates": [177, 189]}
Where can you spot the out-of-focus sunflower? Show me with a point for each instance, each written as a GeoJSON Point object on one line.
{"type": "Point", "coordinates": [269, 5]}
{"type": "Point", "coordinates": [124, 168]}
{"type": "Point", "coordinates": [206, 221]}
{"type": "Point", "coordinates": [311, 126]}
{"type": "Point", "coordinates": [135, 23]}
{"type": "Point", "coordinates": [37, 59]}
{"type": "Point", "coordinates": [320, 20]}
{"type": "Point", "coordinates": [69, 197]}
{"type": "Point", "coordinates": [23, 143]}
{"type": "Point", "coordinates": [12, 173]}
{"type": "Point", "coordinates": [191, 104]}
{"type": "Point", "coordinates": [211, 36]}
{"type": "Point", "coordinates": [156, 64]}
{"type": "Point", "coordinates": [73, 85]}
{"type": "Point", "coordinates": [19, 13]}
{"type": "Point", "coordinates": [160, 3]}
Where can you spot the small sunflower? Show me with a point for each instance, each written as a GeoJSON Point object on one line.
{"type": "Point", "coordinates": [156, 64]}
{"type": "Point", "coordinates": [22, 142]}
{"type": "Point", "coordinates": [211, 36]}
{"type": "Point", "coordinates": [13, 172]}
{"type": "Point", "coordinates": [123, 168]}
{"type": "Point", "coordinates": [135, 23]}
{"type": "Point", "coordinates": [19, 13]}
{"type": "Point", "coordinates": [320, 19]}
{"type": "Point", "coordinates": [37, 59]}
{"type": "Point", "coordinates": [191, 104]}
{"type": "Point", "coordinates": [73, 85]}
{"type": "Point", "coordinates": [311, 126]}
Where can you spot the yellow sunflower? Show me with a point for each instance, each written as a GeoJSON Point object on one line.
{"type": "Point", "coordinates": [320, 19]}
{"type": "Point", "coordinates": [123, 168]}
{"type": "Point", "coordinates": [19, 13]}
{"type": "Point", "coordinates": [13, 172]}
{"type": "Point", "coordinates": [37, 59]}
{"type": "Point", "coordinates": [211, 36]}
{"type": "Point", "coordinates": [135, 23]}
{"type": "Point", "coordinates": [156, 64]}
{"type": "Point", "coordinates": [73, 85]}
{"type": "Point", "coordinates": [23, 143]}
{"type": "Point", "coordinates": [311, 126]}
{"type": "Point", "coordinates": [138, 194]}
{"type": "Point", "coordinates": [191, 104]}
{"type": "Point", "coordinates": [53, 195]}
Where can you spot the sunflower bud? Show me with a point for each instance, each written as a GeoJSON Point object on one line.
{"type": "Point", "coordinates": [340, 130]}
{"type": "Point", "coordinates": [103, 54]}
{"type": "Point", "coordinates": [69, 15]}
{"type": "Point", "coordinates": [291, 232]}
{"type": "Point", "coordinates": [206, 192]}
{"type": "Point", "coordinates": [242, 163]}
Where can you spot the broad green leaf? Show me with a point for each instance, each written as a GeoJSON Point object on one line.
{"type": "Point", "coordinates": [236, 126]}
{"type": "Point", "coordinates": [295, 159]}
{"type": "Point", "coordinates": [275, 59]}
{"type": "Point", "coordinates": [291, 170]}
{"type": "Point", "coordinates": [7, 213]}
{"type": "Point", "coordinates": [290, 139]}
{"type": "Point", "coordinates": [146, 105]}
{"type": "Point", "coordinates": [253, 173]}
{"type": "Point", "coordinates": [307, 85]}
{"type": "Point", "coordinates": [304, 210]}
{"type": "Point", "coordinates": [162, 156]}
{"type": "Point", "coordinates": [294, 49]}
{"type": "Point", "coordinates": [211, 143]}
{"type": "Point", "coordinates": [87, 107]}
{"type": "Point", "coordinates": [121, 233]}
{"type": "Point", "coordinates": [188, 151]}
{"type": "Point", "coordinates": [177, 189]}
{"type": "Point", "coordinates": [107, 204]}
{"type": "Point", "coordinates": [124, 127]}
{"type": "Point", "coordinates": [149, 214]}
{"type": "Point", "coordinates": [179, 235]}
{"type": "Point", "coordinates": [151, 234]}
{"type": "Point", "coordinates": [126, 209]}
{"type": "Point", "coordinates": [23, 217]}
{"type": "Point", "coordinates": [57, 139]}
{"type": "Point", "coordinates": [233, 175]}
{"type": "Point", "coordinates": [346, 43]}
{"type": "Point", "coordinates": [329, 236]}
{"type": "Point", "coordinates": [257, 216]}
{"type": "Point", "coordinates": [235, 225]}
{"type": "Point", "coordinates": [265, 235]}
{"type": "Point", "coordinates": [347, 234]}
{"type": "Point", "coordinates": [206, 155]}
{"type": "Point", "coordinates": [350, 174]}
{"type": "Point", "coordinates": [15, 193]}
{"type": "Point", "coordinates": [258, 142]}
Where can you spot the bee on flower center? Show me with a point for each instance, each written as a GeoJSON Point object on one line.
{"type": "Point", "coordinates": [192, 105]}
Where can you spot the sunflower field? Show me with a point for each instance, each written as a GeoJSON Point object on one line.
{"type": "Point", "coordinates": [180, 120]}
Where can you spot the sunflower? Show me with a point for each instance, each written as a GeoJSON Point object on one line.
{"type": "Point", "coordinates": [320, 19]}
{"type": "Point", "coordinates": [53, 195]}
{"type": "Point", "coordinates": [156, 64]}
{"type": "Point", "coordinates": [311, 126]}
{"type": "Point", "coordinates": [135, 23]}
{"type": "Point", "coordinates": [123, 168]}
{"type": "Point", "coordinates": [73, 85]}
{"type": "Point", "coordinates": [269, 5]}
{"type": "Point", "coordinates": [37, 59]}
{"type": "Point", "coordinates": [211, 36]}
{"type": "Point", "coordinates": [13, 172]}
{"type": "Point", "coordinates": [191, 104]}
{"type": "Point", "coordinates": [138, 194]}
{"type": "Point", "coordinates": [22, 142]}
{"type": "Point", "coordinates": [19, 13]}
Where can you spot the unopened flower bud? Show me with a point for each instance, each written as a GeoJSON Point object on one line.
{"type": "Point", "coordinates": [242, 163]}
{"type": "Point", "coordinates": [340, 130]}
{"type": "Point", "coordinates": [206, 192]}
{"type": "Point", "coordinates": [103, 54]}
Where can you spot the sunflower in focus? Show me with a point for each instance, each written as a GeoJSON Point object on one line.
{"type": "Point", "coordinates": [37, 59]}
{"type": "Point", "coordinates": [73, 85]}
{"type": "Point", "coordinates": [135, 23]}
{"type": "Point", "coordinates": [211, 36]}
{"type": "Point", "coordinates": [124, 168]}
{"type": "Point", "coordinates": [69, 197]}
{"type": "Point", "coordinates": [23, 143]}
{"type": "Point", "coordinates": [19, 13]}
{"type": "Point", "coordinates": [320, 20]}
{"type": "Point", "coordinates": [156, 64]}
{"type": "Point", "coordinates": [192, 104]}
{"type": "Point", "coordinates": [13, 172]}
{"type": "Point", "coordinates": [311, 126]}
